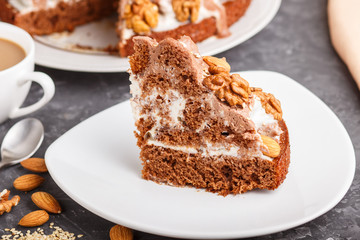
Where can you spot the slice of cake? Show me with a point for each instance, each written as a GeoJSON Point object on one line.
{"type": "Point", "coordinates": [199, 125]}
{"type": "Point", "coordinates": [199, 19]}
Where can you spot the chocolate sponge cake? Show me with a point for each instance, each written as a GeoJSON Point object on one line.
{"type": "Point", "coordinates": [49, 16]}
{"type": "Point", "coordinates": [199, 125]}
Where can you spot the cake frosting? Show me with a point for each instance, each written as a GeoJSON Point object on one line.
{"type": "Point", "coordinates": [25, 6]}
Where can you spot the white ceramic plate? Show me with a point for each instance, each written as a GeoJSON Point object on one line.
{"type": "Point", "coordinates": [48, 53]}
{"type": "Point", "coordinates": [96, 163]}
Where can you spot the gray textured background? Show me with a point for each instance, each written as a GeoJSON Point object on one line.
{"type": "Point", "coordinates": [296, 43]}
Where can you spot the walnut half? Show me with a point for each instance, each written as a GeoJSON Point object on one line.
{"type": "Point", "coordinates": [141, 16]}
{"type": "Point", "coordinates": [186, 8]}
{"type": "Point", "coordinates": [5, 203]}
{"type": "Point", "coordinates": [230, 88]}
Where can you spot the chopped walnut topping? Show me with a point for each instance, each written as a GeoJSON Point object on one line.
{"type": "Point", "coordinates": [6, 204]}
{"type": "Point", "coordinates": [141, 16]}
{"type": "Point", "coordinates": [4, 195]}
{"type": "Point", "coordinates": [234, 89]}
{"type": "Point", "coordinates": [230, 88]}
{"type": "Point", "coordinates": [269, 103]}
{"type": "Point", "coordinates": [240, 86]}
{"type": "Point", "coordinates": [186, 8]}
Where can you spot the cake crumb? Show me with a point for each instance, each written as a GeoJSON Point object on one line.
{"type": "Point", "coordinates": [38, 234]}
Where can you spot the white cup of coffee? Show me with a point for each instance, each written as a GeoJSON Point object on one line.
{"type": "Point", "coordinates": [17, 73]}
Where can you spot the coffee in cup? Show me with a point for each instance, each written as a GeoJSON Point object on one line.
{"type": "Point", "coordinates": [17, 56]}
{"type": "Point", "coordinates": [11, 54]}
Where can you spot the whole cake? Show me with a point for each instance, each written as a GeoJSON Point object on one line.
{"type": "Point", "coordinates": [158, 19]}
{"type": "Point", "coordinates": [199, 125]}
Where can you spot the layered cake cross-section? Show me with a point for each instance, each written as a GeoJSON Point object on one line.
{"type": "Point", "coordinates": [199, 125]}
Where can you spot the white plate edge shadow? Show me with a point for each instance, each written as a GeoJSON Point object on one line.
{"type": "Point", "coordinates": [44, 53]}
{"type": "Point", "coordinates": [264, 22]}
{"type": "Point", "coordinates": [269, 230]}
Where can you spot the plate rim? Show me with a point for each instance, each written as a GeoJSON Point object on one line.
{"type": "Point", "coordinates": [234, 234]}
{"type": "Point", "coordinates": [273, 10]}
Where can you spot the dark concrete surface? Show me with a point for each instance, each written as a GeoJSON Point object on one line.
{"type": "Point", "coordinates": [296, 43]}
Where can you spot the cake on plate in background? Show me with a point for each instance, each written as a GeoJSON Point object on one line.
{"type": "Point", "coordinates": [199, 19]}
{"type": "Point", "coordinates": [199, 125]}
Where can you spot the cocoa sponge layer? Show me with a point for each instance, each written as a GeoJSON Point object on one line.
{"type": "Point", "coordinates": [63, 17]}
{"type": "Point", "coordinates": [220, 174]}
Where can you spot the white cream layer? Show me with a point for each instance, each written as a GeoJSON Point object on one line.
{"type": "Point", "coordinates": [209, 151]}
{"type": "Point", "coordinates": [262, 119]}
{"type": "Point", "coordinates": [25, 6]}
{"type": "Point", "coordinates": [135, 92]}
{"type": "Point", "coordinates": [175, 104]}
{"type": "Point", "coordinates": [185, 149]}
{"type": "Point", "coordinates": [259, 116]}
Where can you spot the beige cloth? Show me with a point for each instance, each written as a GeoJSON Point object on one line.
{"type": "Point", "coordinates": [344, 24]}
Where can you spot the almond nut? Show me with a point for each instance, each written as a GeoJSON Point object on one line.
{"type": "Point", "coordinates": [46, 202]}
{"type": "Point", "coordinates": [28, 182]}
{"type": "Point", "coordinates": [35, 165]}
{"type": "Point", "coordinates": [34, 219]}
{"type": "Point", "coordinates": [118, 232]}
{"type": "Point", "coordinates": [272, 145]}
